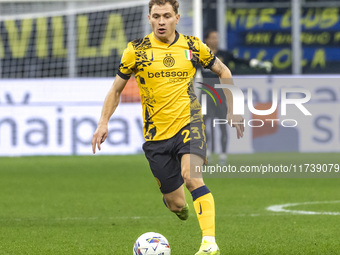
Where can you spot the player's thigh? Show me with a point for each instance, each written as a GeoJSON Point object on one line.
{"type": "Point", "coordinates": [191, 142]}
{"type": "Point", "coordinates": [165, 168]}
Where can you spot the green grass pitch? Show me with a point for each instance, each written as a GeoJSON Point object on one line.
{"type": "Point", "coordinates": [101, 204]}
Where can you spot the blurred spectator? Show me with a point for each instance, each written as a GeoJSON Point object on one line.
{"type": "Point", "coordinates": [220, 112]}
{"type": "Point", "coordinates": [211, 39]}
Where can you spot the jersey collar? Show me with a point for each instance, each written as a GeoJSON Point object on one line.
{"type": "Point", "coordinates": [162, 43]}
{"type": "Point", "coordinates": [176, 38]}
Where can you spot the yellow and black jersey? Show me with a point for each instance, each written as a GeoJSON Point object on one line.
{"type": "Point", "coordinates": [164, 73]}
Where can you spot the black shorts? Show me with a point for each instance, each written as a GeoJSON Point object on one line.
{"type": "Point", "coordinates": [165, 156]}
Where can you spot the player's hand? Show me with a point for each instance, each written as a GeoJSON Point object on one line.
{"type": "Point", "coordinates": [99, 137]}
{"type": "Point", "coordinates": [236, 121]}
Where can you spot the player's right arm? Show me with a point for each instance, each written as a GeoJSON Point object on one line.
{"type": "Point", "coordinates": [110, 104]}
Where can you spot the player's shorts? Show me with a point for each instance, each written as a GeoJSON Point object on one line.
{"type": "Point", "coordinates": [165, 156]}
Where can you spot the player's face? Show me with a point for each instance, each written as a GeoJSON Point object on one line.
{"type": "Point", "coordinates": [163, 21]}
{"type": "Point", "coordinates": [212, 40]}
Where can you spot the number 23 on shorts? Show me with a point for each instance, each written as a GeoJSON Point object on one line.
{"type": "Point", "coordinates": [186, 133]}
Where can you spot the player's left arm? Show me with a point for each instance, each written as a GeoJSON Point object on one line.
{"type": "Point", "coordinates": [225, 76]}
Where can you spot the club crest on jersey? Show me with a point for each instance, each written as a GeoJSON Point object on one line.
{"type": "Point", "coordinates": [168, 61]}
{"type": "Point", "coordinates": [188, 54]}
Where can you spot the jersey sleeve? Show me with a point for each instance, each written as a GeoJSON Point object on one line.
{"type": "Point", "coordinates": [206, 57]}
{"type": "Point", "coordinates": [127, 63]}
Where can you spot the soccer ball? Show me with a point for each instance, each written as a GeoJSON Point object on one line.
{"type": "Point", "coordinates": [151, 243]}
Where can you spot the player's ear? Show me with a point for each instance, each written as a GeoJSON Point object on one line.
{"type": "Point", "coordinates": [177, 18]}
{"type": "Point", "coordinates": [149, 17]}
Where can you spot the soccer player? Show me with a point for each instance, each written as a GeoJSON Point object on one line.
{"type": "Point", "coordinates": [164, 63]}
{"type": "Point", "coordinates": [211, 39]}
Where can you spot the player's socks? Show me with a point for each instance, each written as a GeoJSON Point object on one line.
{"type": "Point", "coordinates": [209, 239]}
{"type": "Point", "coordinates": [205, 210]}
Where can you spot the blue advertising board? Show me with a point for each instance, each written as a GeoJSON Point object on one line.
{"type": "Point", "coordinates": [265, 33]}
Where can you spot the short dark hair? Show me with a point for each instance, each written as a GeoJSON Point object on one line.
{"type": "Point", "coordinates": [174, 4]}
{"type": "Point", "coordinates": [208, 32]}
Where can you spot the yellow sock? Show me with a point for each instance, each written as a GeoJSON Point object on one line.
{"type": "Point", "coordinates": [205, 211]}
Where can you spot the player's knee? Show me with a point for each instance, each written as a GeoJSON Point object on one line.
{"type": "Point", "coordinates": [192, 183]}
{"type": "Point", "coordinates": [175, 205]}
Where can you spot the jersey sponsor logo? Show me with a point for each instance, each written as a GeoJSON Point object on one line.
{"type": "Point", "coordinates": [169, 61]}
{"type": "Point", "coordinates": [163, 74]}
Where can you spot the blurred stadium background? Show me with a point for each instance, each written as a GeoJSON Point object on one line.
{"type": "Point", "coordinates": [57, 61]}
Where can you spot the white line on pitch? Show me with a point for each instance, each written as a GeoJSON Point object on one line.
{"type": "Point", "coordinates": [282, 208]}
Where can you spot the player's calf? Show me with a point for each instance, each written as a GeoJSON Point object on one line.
{"type": "Point", "coordinates": [181, 212]}
{"type": "Point", "coordinates": [174, 205]}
